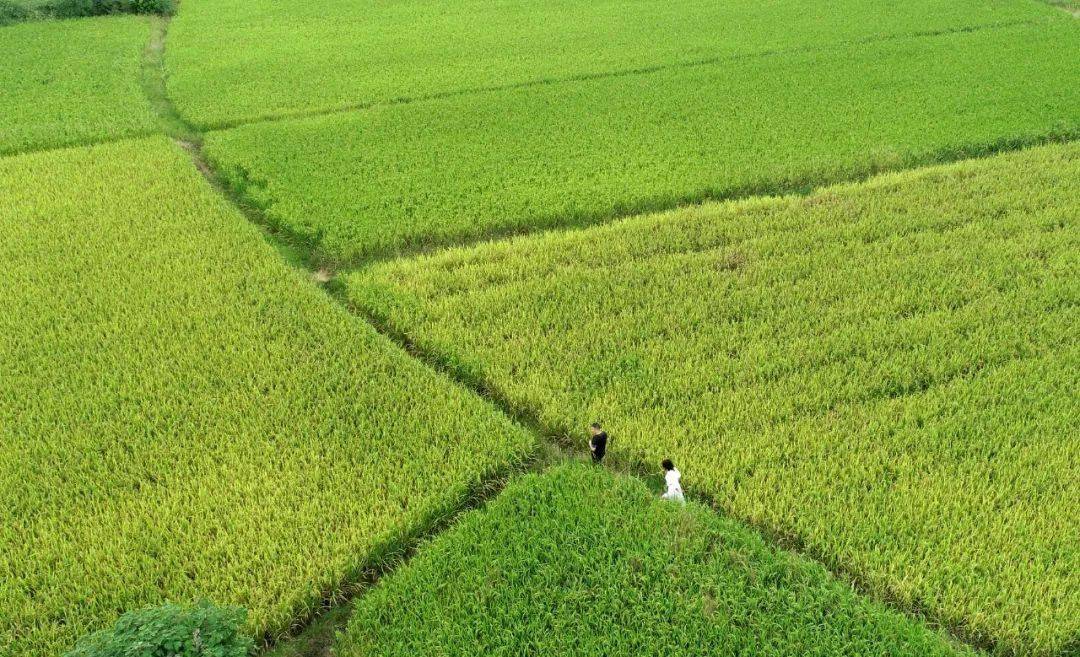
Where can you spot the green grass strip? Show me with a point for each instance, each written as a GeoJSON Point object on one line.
{"type": "Point", "coordinates": [579, 561]}
{"type": "Point", "coordinates": [182, 415]}
{"type": "Point", "coordinates": [414, 176]}
{"type": "Point", "coordinates": [884, 374]}
{"type": "Point", "coordinates": [72, 82]}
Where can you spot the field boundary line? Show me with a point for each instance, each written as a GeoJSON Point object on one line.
{"type": "Point", "coordinates": [799, 188]}
{"type": "Point", "coordinates": [301, 114]}
{"type": "Point", "coordinates": [115, 139]}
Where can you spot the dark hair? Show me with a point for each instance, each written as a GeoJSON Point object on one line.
{"type": "Point", "coordinates": [667, 464]}
{"type": "Point", "coordinates": [595, 425]}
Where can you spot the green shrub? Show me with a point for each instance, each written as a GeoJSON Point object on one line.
{"type": "Point", "coordinates": [21, 11]}
{"type": "Point", "coordinates": [172, 630]}
{"type": "Point", "coordinates": [13, 12]}
{"type": "Point", "coordinates": [77, 8]}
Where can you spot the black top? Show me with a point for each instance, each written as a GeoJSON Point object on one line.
{"type": "Point", "coordinates": [599, 445]}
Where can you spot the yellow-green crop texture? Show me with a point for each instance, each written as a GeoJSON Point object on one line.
{"type": "Point", "coordinates": [232, 61]}
{"type": "Point", "coordinates": [182, 415]}
{"type": "Point", "coordinates": [454, 169]}
{"type": "Point", "coordinates": [72, 82]}
{"type": "Point", "coordinates": [887, 373]}
{"type": "Point", "coordinates": [579, 561]}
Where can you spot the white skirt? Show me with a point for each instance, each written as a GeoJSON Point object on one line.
{"type": "Point", "coordinates": [674, 494]}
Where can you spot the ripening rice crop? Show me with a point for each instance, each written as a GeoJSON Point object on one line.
{"type": "Point", "coordinates": [232, 61]}
{"type": "Point", "coordinates": [886, 372]}
{"type": "Point", "coordinates": [182, 415]}
{"type": "Point", "coordinates": [447, 170]}
{"type": "Point", "coordinates": [579, 561]}
{"type": "Point", "coordinates": [72, 82]}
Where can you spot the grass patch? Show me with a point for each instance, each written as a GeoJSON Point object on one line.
{"type": "Point", "coordinates": [879, 373]}
{"type": "Point", "coordinates": [72, 82]}
{"type": "Point", "coordinates": [184, 416]}
{"type": "Point", "coordinates": [394, 179]}
{"type": "Point", "coordinates": [580, 561]}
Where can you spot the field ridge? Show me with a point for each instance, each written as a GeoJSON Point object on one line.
{"type": "Point", "coordinates": [116, 139]}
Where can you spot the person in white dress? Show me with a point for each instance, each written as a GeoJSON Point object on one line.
{"type": "Point", "coordinates": [671, 477]}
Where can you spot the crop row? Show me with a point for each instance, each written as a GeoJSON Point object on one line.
{"type": "Point", "coordinates": [579, 561]}
{"type": "Point", "coordinates": [443, 171]}
{"type": "Point", "coordinates": [182, 415]}
{"type": "Point", "coordinates": [238, 60]}
{"type": "Point", "coordinates": [885, 372]}
{"type": "Point", "coordinates": [72, 82]}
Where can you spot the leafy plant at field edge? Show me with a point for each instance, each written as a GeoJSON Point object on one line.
{"type": "Point", "coordinates": [171, 630]}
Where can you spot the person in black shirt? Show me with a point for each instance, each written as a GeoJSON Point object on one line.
{"type": "Point", "coordinates": [597, 442]}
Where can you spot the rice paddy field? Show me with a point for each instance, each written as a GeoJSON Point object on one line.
{"type": "Point", "coordinates": [417, 175]}
{"type": "Point", "coordinates": [226, 69]}
{"type": "Point", "coordinates": [183, 415]}
{"type": "Point", "coordinates": [580, 561]}
{"type": "Point", "coordinates": [287, 288]}
{"type": "Point", "coordinates": [72, 82]}
{"type": "Point", "coordinates": [887, 347]}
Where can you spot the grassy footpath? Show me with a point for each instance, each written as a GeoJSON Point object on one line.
{"type": "Point", "coordinates": [451, 170]}
{"type": "Point", "coordinates": [240, 60]}
{"type": "Point", "coordinates": [182, 415]}
{"type": "Point", "coordinates": [72, 82]}
{"type": "Point", "coordinates": [579, 561]}
{"type": "Point", "coordinates": [884, 373]}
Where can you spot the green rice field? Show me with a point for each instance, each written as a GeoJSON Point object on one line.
{"type": "Point", "coordinates": [581, 561]}
{"type": "Point", "coordinates": [72, 82]}
{"type": "Point", "coordinates": [181, 415]}
{"type": "Point", "coordinates": [226, 66]}
{"type": "Point", "coordinates": [895, 347]}
{"type": "Point", "coordinates": [306, 310]}
{"type": "Point", "coordinates": [423, 174]}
